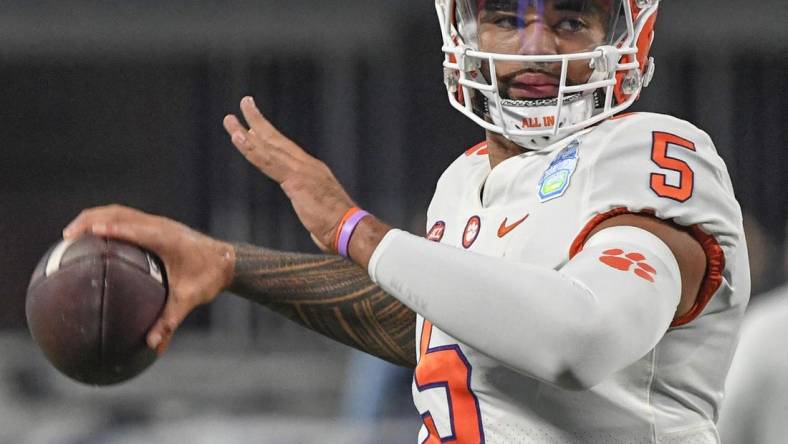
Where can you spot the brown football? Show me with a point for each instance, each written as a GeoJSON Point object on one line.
{"type": "Point", "coordinates": [90, 304]}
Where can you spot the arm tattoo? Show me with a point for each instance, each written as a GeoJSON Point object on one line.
{"type": "Point", "coordinates": [329, 295]}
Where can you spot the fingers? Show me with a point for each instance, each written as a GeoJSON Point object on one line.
{"type": "Point", "coordinates": [261, 129]}
{"type": "Point", "coordinates": [175, 311]}
{"type": "Point", "coordinates": [163, 346]}
{"type": "Point", "coordinates": [233, 126]}
{"type": "Point", "coordinates": [136, 232]}
{"type": "Point", "coordinates": [259, 124]}
{"type": "Point", "coordinates": [85, 221]}
{"type": "Point", "coordinates": [269, 158]}
{"type": "Point", "coordinates": [117, 222]}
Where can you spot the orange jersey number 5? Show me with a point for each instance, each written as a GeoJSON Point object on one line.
{"type": "Point", "coordinates": [447, 368]}
{"type": "Point", "coordinates": [659, 154]}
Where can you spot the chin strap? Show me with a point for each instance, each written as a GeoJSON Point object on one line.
{"type": "Point", "coordinates": [540, 114]}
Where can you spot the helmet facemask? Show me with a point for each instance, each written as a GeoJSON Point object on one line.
{"type": "Point", "coordinates": [537, 71]}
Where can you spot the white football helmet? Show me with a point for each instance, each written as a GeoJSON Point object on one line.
{"type": "Point", "coordinates": [538, 102]}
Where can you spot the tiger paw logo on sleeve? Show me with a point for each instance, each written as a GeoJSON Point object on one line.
{"type": "Point", "coordinates": [617, 259]}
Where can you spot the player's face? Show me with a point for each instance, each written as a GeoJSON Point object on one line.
{"type": "Point", "coordinates": [541, 27]}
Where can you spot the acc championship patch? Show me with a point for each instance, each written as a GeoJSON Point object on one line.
{"type": "Point", "coordinates": [556, 178]}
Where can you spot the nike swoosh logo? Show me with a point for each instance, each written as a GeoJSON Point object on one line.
{"type": "Point", "coordinates": [503, 230]}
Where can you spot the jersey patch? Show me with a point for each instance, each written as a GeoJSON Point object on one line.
{"type": "Point", "coordinates": [556, 178]}
{"type": "Point", "coordinates": [436, 232]}
{"type": "Point", "coordinates": [471, 232]}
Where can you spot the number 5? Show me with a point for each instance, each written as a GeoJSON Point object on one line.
{"type": "Point", "coordinates": [447, 367]}
{"type": "Point", "coordinates": [659, 155]}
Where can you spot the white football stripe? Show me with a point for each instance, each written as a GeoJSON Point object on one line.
{"type": "Point", "coordinates": [53, 263]}
{"type": "Point", "coordinates": [154, 269]}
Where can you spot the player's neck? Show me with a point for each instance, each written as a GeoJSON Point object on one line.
{"type": "Point", "coordinates": [501, 148]}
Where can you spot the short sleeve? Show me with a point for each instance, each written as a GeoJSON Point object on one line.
{"type": "Point", "coordinates": [665, 167]}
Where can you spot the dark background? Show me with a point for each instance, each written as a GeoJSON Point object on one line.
{"type": "Point", "coordinates": [122, 101]}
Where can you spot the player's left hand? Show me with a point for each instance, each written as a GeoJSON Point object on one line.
{"type": "Point", "coordinates": [316, 195]}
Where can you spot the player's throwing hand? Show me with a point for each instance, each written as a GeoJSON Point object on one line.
{"type": "Point", "coordinates": [198, 267]}
{"type": "Point", "coordinates": [316, 195]}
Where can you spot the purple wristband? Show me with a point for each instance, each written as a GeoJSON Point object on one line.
{"type": "Point", "coordinates": [346, 232]}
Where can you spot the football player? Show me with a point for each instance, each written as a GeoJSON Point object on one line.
{"type": "Point", "coordinates": [585, 271]}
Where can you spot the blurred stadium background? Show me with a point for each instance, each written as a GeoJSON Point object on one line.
{"type": "Point", "coordinates": [122, 101]}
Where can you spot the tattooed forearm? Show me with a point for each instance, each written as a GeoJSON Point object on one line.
{"type": "Point", "coordinates": [329, 295]}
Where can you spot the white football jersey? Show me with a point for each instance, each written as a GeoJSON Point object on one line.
{"type": "Point", "coordinates": [538, 208]}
